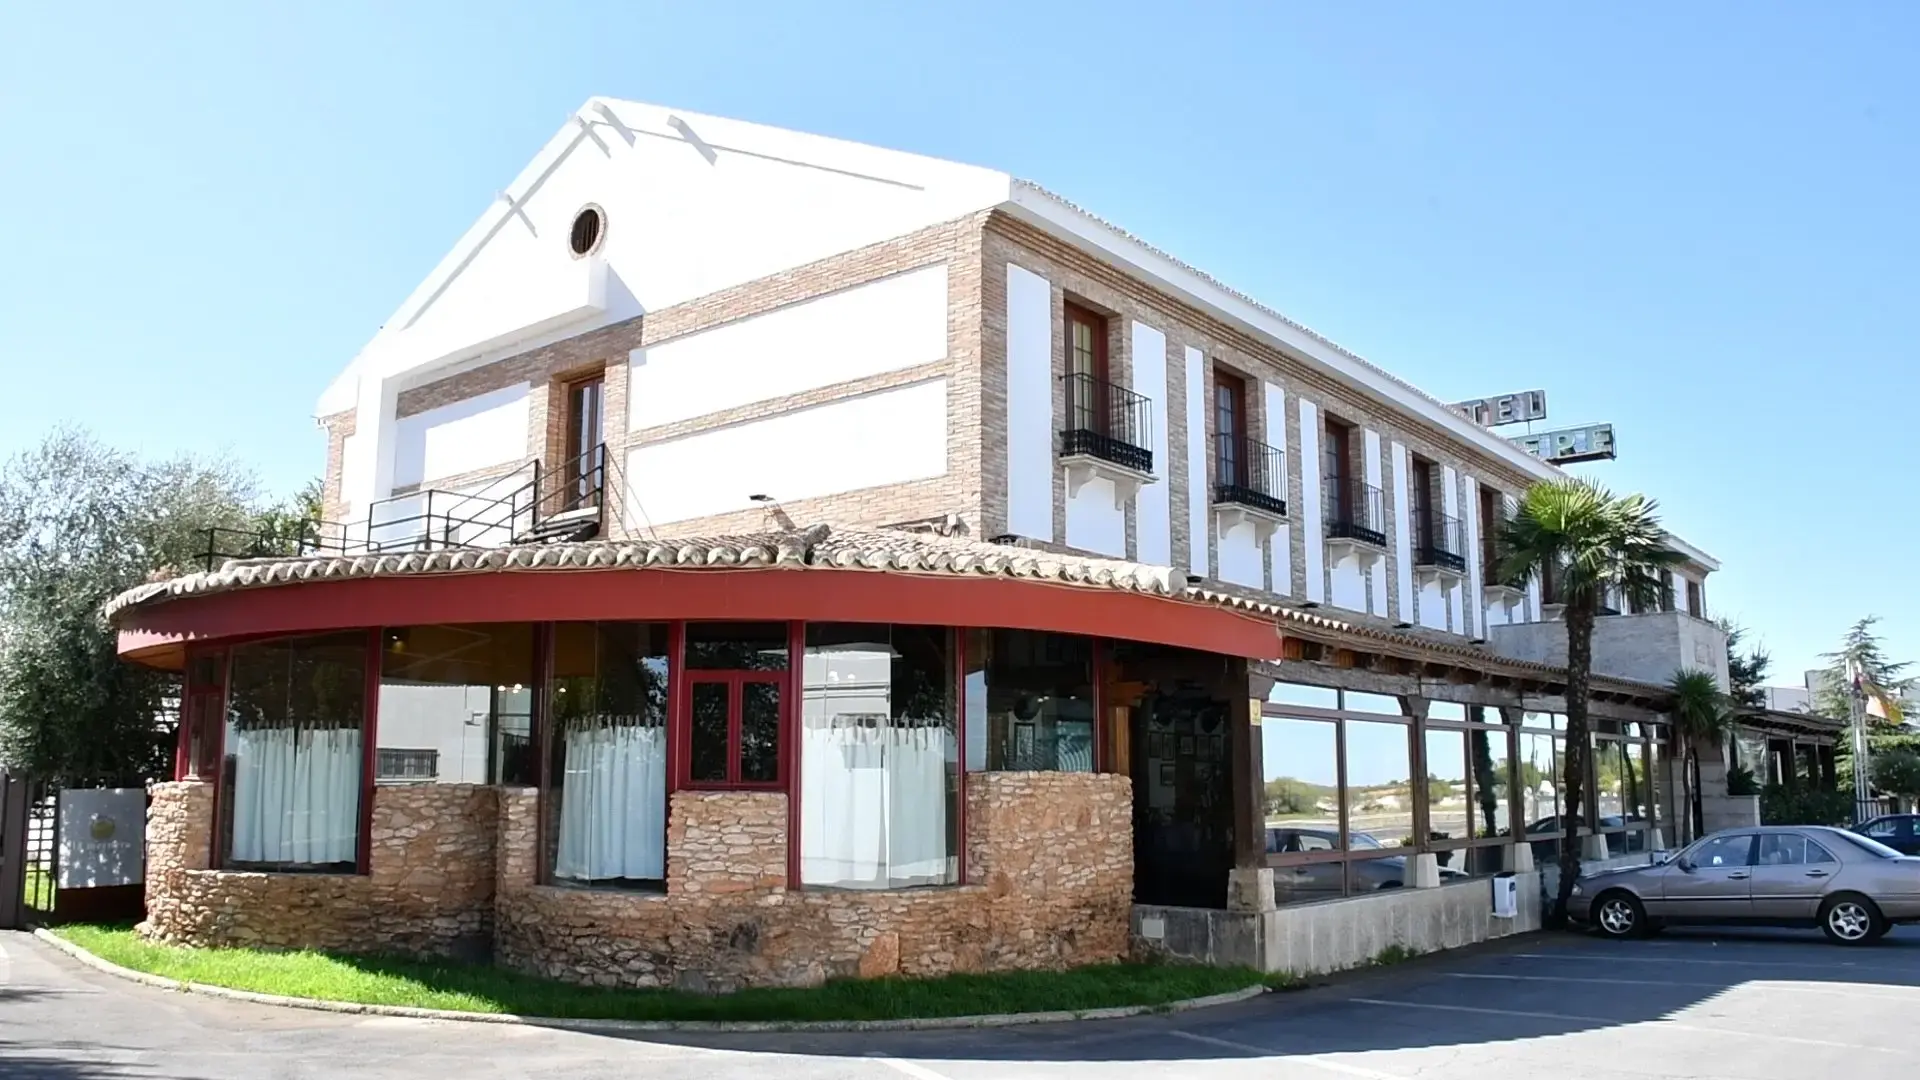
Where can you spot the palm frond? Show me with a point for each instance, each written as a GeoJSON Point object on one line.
{"type": "Point", "coordinates": [1592, 541]}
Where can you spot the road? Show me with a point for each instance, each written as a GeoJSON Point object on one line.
{"type": "Point", "coordinates": [1752, 1006]}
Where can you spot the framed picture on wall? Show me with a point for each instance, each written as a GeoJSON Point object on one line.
{"type": "Point", "coordinates": [1023, 744]}
{"type": "Point", "coordinates": [1186, 746]}
{"type": "Point", "coordinates": [1166, 774]}
{"type": "Point", "coordinates": [1217, 747]}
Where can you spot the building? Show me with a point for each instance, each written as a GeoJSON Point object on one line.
{"type": "Point", "coordinates": [761, 557]}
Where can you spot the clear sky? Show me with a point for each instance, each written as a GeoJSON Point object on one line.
{"type": "Point", "coordinates": [1695, 221]}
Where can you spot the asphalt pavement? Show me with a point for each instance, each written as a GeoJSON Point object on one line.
{"type": "Point", "coordinates": [1759, 1005]}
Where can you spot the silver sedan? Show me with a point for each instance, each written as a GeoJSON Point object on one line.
{"type": "Point", "coordinates": [1852, 887]}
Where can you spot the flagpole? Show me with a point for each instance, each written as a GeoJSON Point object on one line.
{"type": "Point", "coordinates": [1864, 807]}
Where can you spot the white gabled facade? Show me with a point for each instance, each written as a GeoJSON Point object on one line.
{"type": "Point", "coordinates": [911, 385]}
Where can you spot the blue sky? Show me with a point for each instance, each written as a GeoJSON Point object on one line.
{"type": "Point", "coordinates": [1698, 224]}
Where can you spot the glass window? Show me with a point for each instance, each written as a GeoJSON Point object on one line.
{"type": "Point", "coordinates": [1609, 766]}
{"type": "Point", "coordinates": [1446, 710]}
{"type": "Point", "coordinates": [724, 646]}
{"type": "Point", "coordinates": [1867, 844]}
{"type": "Point", "coordinates": [879, 758]}
{"type": "Point", "coordinates": [1301, 762]}
{"type": "Point", "coordinates": [202, 716]}
{"type": "Point", "coordinates": [456, 705]}
{"type": "Point", "coordinates": [608, 736]}
{"type": "Point", "coordinates": [1379, 791]}
{"type": "Point", "coordinates": [1313, 697]}
{"type": "Point", "coordinates": [1884, 829]}
{"type": "Point", "coordinates": [1723, 851]}
{"type": "Point", "coordinates": [1492, 784]}
{"type": "Point", "coordinates": [1355, 701]}
{"type": "Point", "coordinates": [296, 711]}
{"type": "Point", "coordinates": [1539, 769]}
{"type": "Point", "coordinates": [1789, 849]}
{"type": "Point", "coordinates": [1029, 702]}
{"type": "Point", "coordinates": [1446, 787]}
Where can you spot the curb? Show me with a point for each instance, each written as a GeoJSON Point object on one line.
{"type": "Point", "coordinates": [632, 1027]}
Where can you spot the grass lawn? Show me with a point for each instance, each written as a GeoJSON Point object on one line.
{"type": "Point", "coordinates": [475, 988]}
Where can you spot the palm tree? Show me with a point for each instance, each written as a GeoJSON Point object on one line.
{"type": "Point", "coordinates": [1702, 716]}
{"type": "Point", "coordinates": [1590, 543]}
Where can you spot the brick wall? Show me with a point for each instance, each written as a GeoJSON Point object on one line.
{"type": "Point", "coordinates": [429, 890]}
{"type": "Point", "coordinates": [1050, 855]}
{"type": "Point", "coordinates": [1086, 280]}
{"type": "Point", "coordinates": [548, 368]}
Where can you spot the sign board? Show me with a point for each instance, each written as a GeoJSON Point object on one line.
{"type": "Point", "coordinates": [102, 837]}
{"type": "Point", "coordinates": [1592, 442]}
{"type": "Point", "coordinates": [1518, 408]}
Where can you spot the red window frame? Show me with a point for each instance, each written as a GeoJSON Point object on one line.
{"type": "Point", "coordinates": [680, 720]}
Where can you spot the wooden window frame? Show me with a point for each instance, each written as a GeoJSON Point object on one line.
{"type": "Point", "coordinates": [1229, 451]}
{"type": "Point", "coordinates": [1097, 323]}
{"type": "Point", "coordinates": [1421, 475]}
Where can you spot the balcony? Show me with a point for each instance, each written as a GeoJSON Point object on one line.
{"type": "Point", "coordinates": [1438, 546]}
{"type": "Point", "coordinates": [1108, 435]}
{"type": "Point", "coordinates": [1250, 487]}
{"type": "Point", "coordinates": [1354, 512]}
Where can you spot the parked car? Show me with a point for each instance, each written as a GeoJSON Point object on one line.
{"type": "Point", "coordinates": [1386, 872]}
{"type": "Point", "coordinates": [1851, 886]}
{"type": "Point", "coordinates": [1901, 832]}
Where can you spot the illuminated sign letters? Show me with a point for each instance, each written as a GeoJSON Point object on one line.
{"type": "Point", "coordinates": [1516, 408]}
{"type": "Point", "coordinates": [1593, 442]}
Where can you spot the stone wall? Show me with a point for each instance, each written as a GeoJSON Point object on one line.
{"type": "Point", "coordinates": [1050, 858]}
{"type": "Point", "coordinates": [428, 891]}
{"type": "Point", "coordinates": [454, 872]}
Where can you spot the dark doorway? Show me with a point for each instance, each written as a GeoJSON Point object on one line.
{"type": "Point", "coordinates": [1179, 755]}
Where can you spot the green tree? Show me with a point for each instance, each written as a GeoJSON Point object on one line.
{"type": "Point", "coordinates": [1746, 671]}
{"type": "Point", "coordinates": [1880, 678]}
{"type": "Point", "coordinates": [1590, 543]}
{"type": "Point", "coordinates": [1897, 772]}
{"type": "Point", "coordinates": [80, 522]}
{"type": "Point", "coordinates": [1702, 717]}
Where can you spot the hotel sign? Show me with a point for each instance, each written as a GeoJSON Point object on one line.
{"type": "Point", "coordinates": [1592, 442]}
{"type": "Point", "coordinates": [1519, 408]}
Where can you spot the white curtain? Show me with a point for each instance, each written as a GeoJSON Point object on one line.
{"type": "Point", "coordinates": [296, 795]}
{"type": "Point", "coordinates": [874, 806]}
{"type": "Point", "coordinates": [613, 804]}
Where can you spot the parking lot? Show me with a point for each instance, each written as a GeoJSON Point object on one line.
{"type": "Point", "coordinates": [1759, 1005]}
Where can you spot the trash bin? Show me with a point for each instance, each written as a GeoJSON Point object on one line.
{"type": "Point", "coordinates": [1506, 896]}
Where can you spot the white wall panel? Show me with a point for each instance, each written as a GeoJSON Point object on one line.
{"type": "Point", "coordinates": [1094, 523]}
{"type": "Point", "coordinates": [1476, 582]}
{"type": "Point", "coordinates": [1433, 605]}
{"type": "Point", "coordinates": [1379, 580]}
{"type": "Point", "coordinates": [1313, 541]}
{"type": "Point", "coordinates": [1402, 538]}
{"type": "Point", "coordinates": [1241, 559]}
{"type": "Point", "coordinates": [1030, 465]}
{"type": "Point", "coordinates": [1349, 583]}
{"type": "Point", "coordinates": [468, 435]}
{"type": "Point", "coordinates": [1198, 501]}
{"type": "Point", "coordinates": [1153, 505]}
{"type": "Point", "coordinates": [1450, 506]}
{"type": "Point", "coordinates": [886, 438]}
{"type": "Point", "coordinates": [1280, 545]}
{"type": "Point", "coordinates": [896, 322]}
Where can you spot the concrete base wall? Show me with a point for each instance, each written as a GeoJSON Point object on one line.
{"type": "Point", "coordinates": [1314, 939]}
{"type": "Point", "coordinates": [1729, 811]}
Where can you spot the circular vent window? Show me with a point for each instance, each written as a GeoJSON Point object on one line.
{"type": "Point", "coordinates": [589, 226]}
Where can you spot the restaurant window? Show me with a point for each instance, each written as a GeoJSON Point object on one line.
{"type": "Point", "coordinates": [1230, 428]}
{"type": "Point", "coordinates": [879, 757]}
{"type": "Point", "coordinates": [1469, 790]}
{"type": "Point", "coordinates": [1542, 746]}
{"type": "Point", "coordinates": [296, 715]}
{"type": "Point", "coordinates": [1301, 759]}
{"type": "Point", "coordinates": [607, 738]}
{"type": "Point", "coordinates": [736, 690]}
{"type": "Point", "coordinates": [456, 705]}
{"type": "Point", "coordinates": [1029, 702]}
{"type": "Point", "coordinates": [1620, 777]}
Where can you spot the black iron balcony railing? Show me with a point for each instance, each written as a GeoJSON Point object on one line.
{"type": "Point", "coordinates": [1354, 511]}
{"type": "Point", "coordinates": [1250, 473]}
{"type": "Point", "coordinates": [1108, 422]}
{"type": "Point", "coordinates": [1437, 542]}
